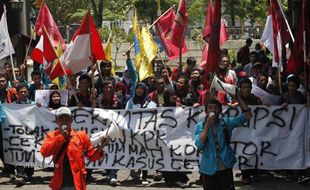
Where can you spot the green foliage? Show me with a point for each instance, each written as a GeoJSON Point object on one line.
{"type": "Point", "coordinates": [147, 9]}
{"type": "Point", "coordinates": [196, 12]}
{"type": "Point", "coordinates": [118, 34]}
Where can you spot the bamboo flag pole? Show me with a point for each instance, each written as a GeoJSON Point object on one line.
{"type": "Point", "coordinates": [28, 47]}
{"type": "Point", "coordinates": [305, 51]}
{"type": "Point", "coordinates": [92, 60]}
{"type": "Point", "coordinates": [161, 58]}
{"type": "Point", "coordinates": [63, 69]}
{"type": "Point", "coordinates": [279, 80]}
{"type": "Point", "coordinates": [305, 66]}
{"type": "Point", "coordinates": [132, 45]}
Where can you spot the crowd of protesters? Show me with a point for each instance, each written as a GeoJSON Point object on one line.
{"type": "Point", "coordinates": [180, 86]}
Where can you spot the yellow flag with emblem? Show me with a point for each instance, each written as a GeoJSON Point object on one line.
{"type": "Point", "coordinates": [150, 50]}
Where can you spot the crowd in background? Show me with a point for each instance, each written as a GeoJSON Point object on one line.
{"type": "Point", "coordinates": [180, 86]}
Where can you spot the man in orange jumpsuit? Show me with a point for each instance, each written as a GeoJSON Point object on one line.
{"type": "Point", "coordinates": [68, 149]}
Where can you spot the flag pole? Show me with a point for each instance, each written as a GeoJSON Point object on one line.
{"type": "Point", "coordinates": [305, 66]}
{"type": "Point", "coordinates": [288, 26]}
{"type": "Point", "coordinates": [28, 47]}
{"type": "Point", "coordinates": [12, 64]}
{"type": "Point", "coordinates": [132, 45]}
{"type": "Point", "coordinates": [279, 80]}
{"type": "Point", "coordinates": [11, 57]}
{"type": "Point", "coordinates": [93, 62]}
{"type": "Point", "coordinates": [162, 61]}
{"type": "Point", "coordinates": [63, 69]}
{"type": "Point", "coordinates": [305, 50]}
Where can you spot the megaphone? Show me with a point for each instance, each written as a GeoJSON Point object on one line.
{"type": "Point", "coordinates": [111, 132]}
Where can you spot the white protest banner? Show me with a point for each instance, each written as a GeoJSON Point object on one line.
{"type": "Point", "coordinates": [265, 97]}
{"type": "Point", "coordinates": [43, 97]}
{"type": "Point", "coordinates": [163, 138]}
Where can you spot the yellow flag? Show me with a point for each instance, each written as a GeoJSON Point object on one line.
{"type": "Point", "coordinates": [59, 80]}
{"type": "Point", "coordinates": [108, 54]}
{"type": "Point", "coordinates": [136, 39]}
{"type": "Point", "coordinates": [148, 51]}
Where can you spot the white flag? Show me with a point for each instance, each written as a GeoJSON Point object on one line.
{"type": "Point", "coordinates": [6, 47]}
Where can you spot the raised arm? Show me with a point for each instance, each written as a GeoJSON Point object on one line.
{"type": "Point", "coordinates": [133, 73]}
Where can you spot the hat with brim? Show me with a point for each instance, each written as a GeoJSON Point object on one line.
{"type": "Point", "coordinates": [63, 111]}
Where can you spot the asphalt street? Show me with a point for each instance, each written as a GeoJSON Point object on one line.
{"type": "Point", "coordinates": [42, 178]}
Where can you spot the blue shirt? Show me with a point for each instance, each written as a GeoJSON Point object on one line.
{"type": "Point", "coordinates": [208, 162]}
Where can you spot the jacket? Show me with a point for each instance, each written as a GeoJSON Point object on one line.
{"type": "Point", "coordinates": [78, 146]}
{"type": "Point", "coordinates": [208, 162]}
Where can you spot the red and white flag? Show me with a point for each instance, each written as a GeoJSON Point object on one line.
{"type": "Point", "coordinates": [85, 47]}
{"type": "Point", "coordinates": [277, 33]}
{"type": "Point", "coordinates": [49, 55]}
{"type": "Point", "coordinates": [163, 28]}
{"type": "Point", "coordinates": [45, 19]}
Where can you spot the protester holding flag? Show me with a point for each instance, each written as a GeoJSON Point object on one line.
{"type": "Point", "coordinates": [212, 137]}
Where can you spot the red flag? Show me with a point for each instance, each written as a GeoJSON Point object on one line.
{"type": "Point", "coordinates": [223, 32]}
{"type": "Point", "coordinates": [49, 54]}
{"type": "Point", "coordinates": [296, 61]}
{"type": "Point", "coordinates": [85, 45]}
{"type": "Point", "coordinates": [163, 28]}
{"type": "Point", "coordinates": [276, 33]}
{"type": "Point", "coordinates": [179, 25]}
{"type": "Point", "coordinates": [206, 32]}
{"type": "Point", "coordinates": [214, 45]}
{"type": "Point", "coordinates": [204, 56]}
{"type": "Point", "coordinates": [46, 20]}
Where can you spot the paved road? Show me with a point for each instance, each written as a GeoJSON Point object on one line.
{"type": "Point", "coordinates": [42, 178]}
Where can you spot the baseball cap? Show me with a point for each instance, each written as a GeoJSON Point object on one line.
{"type": "Point", "coordinates": [63, 111]}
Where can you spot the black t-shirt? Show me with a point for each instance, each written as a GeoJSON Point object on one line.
{"type": "Point", "coordinates": [67, 173]}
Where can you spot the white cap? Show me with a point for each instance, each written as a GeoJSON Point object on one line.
{"type": "Point", "coordinates": [63, 111]}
